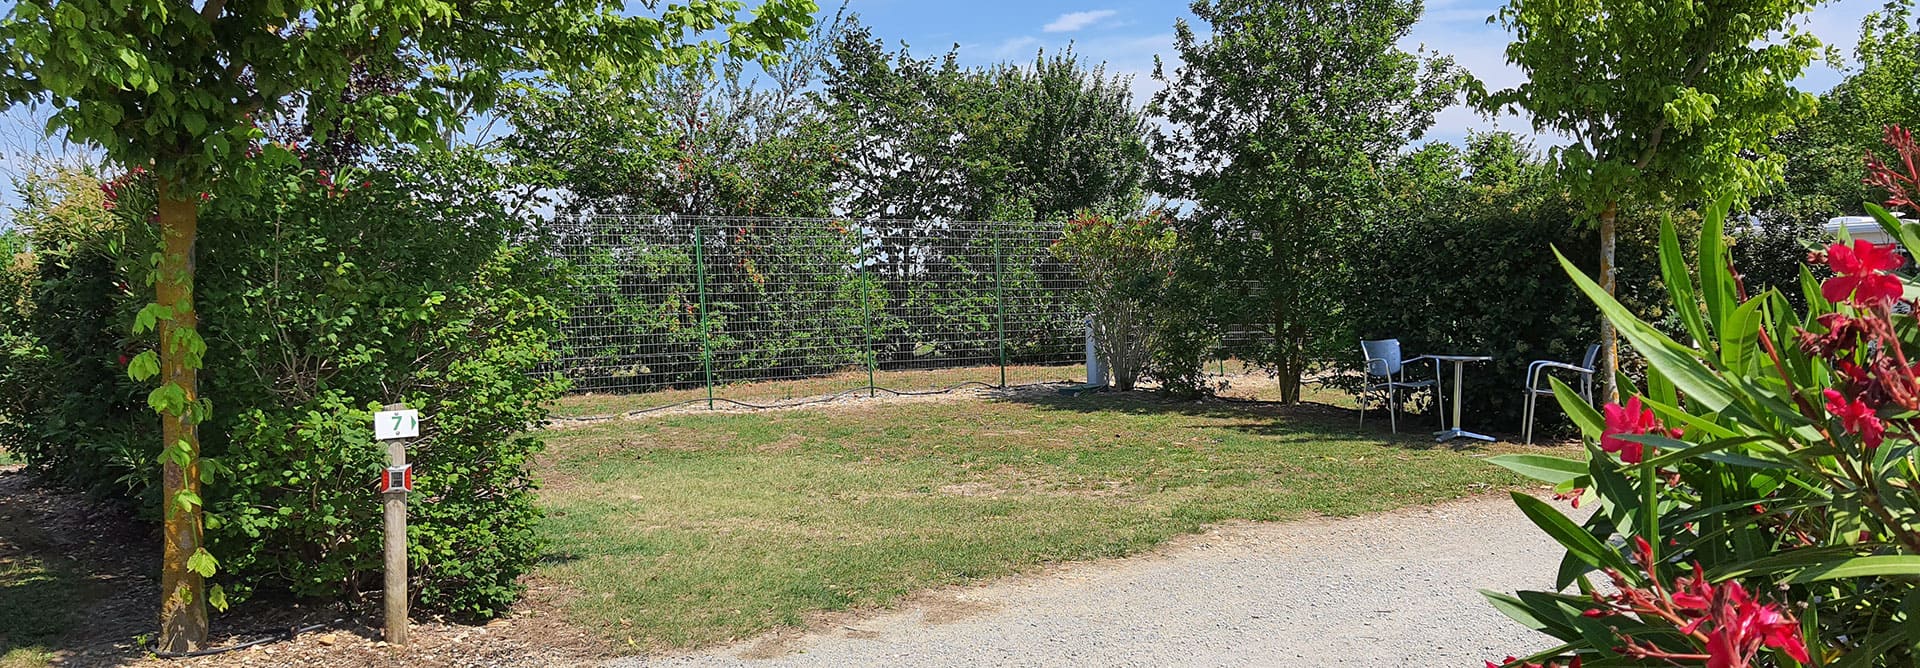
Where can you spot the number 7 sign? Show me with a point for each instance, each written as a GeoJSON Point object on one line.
{"type": "Point", "coordinates": [396, 424]}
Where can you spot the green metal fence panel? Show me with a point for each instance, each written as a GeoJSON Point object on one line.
{"type": "Point", "coordinates": [773, 310]}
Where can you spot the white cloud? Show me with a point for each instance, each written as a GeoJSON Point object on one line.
{"type": "Point", "coordinates": [1072, 21]}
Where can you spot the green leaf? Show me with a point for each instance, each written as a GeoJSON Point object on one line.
{"type": "Point", "coordinates": [1785, 564]}
{"type": "Point", "coordinates": [149, 316]}
{"type": "Point", "coordinates": [1518, 611]}
{"type": "Point", "coordinates": [202, 562]}
{"type": "Point", "coordinates": [186, 500]}
{"type": "Point", "coordinates": [1716, 279]}
{"type": "Point", "coordinates": [1677, 363]}
{"type": "Point", "coordinates": [1545, 468]}
{"type": "Point", "coordinates": [1740, 338]}
{"type": "Point", "coordinates": [1817, 303]}
{"type": "Point", "coordinates": [1894, 228]}
{"type": "Point", "coordinates": [1577, 541]}
{"type": "Point", "coordinates": [1680, 450]}
{"type": "Point", "coordinates": [216, 597]}
{"type": "Point", "coordinates": [167, 399]}
{"type": "Point", "coordinates": [1858, 567]}
{"type": "Point", "coordinates": [1673, 269]}
{"type": "Point", "coordinates": [1577, 409]}
{"type": "Point", "coordinates": [144, 366]}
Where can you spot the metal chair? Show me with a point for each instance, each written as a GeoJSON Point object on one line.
{"type": "Point", "coordinates": [1537, 374]}
{"type": "Point", "coordinates": [1386, 371]}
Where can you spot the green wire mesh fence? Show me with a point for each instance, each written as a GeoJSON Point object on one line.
{"type": "Point", "coordinates": [765, 311]}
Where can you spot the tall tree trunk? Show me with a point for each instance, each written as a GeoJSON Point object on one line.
{"type": "Point", "coordinates": [1609, 339]}
{"type": "Point", "coordinates": [183, 601]}
{"type": "Point", "coordinates": [1289, 358]}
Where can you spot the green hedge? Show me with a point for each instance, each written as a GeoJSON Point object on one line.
{"type": "Point", "coordinates": [321, 297]}
{"type": "Point", "coordinates": [1466, 266]}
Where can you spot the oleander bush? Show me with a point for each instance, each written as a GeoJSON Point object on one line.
{"type": "Point", "coordinates": [1755, 500]}
{"type": "Point", "coordinates": [322, 296]}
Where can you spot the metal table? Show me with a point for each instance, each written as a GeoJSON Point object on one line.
{"type": "Point", "coordinates": [1459, 362]}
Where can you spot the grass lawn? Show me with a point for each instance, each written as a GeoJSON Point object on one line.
{"type": "Point", "coordinates": [694, 529]}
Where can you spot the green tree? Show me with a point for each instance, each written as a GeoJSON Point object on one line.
{"type": "Point", "coordinates": [1823, 153]}
{"type": "Point", "coordinates": [180, 91]}
{"type": "Point", "coordinates": [934, 140]}
{"type": "Point", "coordinates": [1276, 125]}
{"type": "Point", "coordinates": [1662, 99]}
{"type": "Point", "coordinates": [709, 137]}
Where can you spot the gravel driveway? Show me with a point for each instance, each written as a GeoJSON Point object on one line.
{"type": "Point", "coordinates": [1396, 589]}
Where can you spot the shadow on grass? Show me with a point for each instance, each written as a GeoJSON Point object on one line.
{"type": "Point", "coordinates": [1304, 422]}
{"type": "Point", "coordinates": [60, 603]}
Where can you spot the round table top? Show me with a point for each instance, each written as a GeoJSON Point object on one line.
{"type": "Point", "coordinates": [1461, 358]}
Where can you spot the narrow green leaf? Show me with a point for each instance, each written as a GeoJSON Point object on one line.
{"type": "Point", "coordinates": [1716, 281]}
{"type": "Point", "coordinates": [1894, 228]}
{"type": "Point", "coordinates": [1680, 450]}
{"type": "Point", "coordinates": [1786, 563]}
{"type": "Point", "coordinates": [1518, 611]}
{"type": "Point", "coordinates": [1545, 468]}
{"type": "Point", "coordinates": [1740, 338]}
{"type": "Point", "coordinates": [1577, 409]}
{"type": "Point", "coordinates": [1673, 269]}
{"type": "Point", "coordinates": [1817, 303]}
{"type": "Point", "coordinates": [1577, 541]}
{"type": "Point", "coordinates": [1678, 363]}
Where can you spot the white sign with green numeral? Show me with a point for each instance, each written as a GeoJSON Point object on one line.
{"type": "Point", "coordinates": [396, 424]}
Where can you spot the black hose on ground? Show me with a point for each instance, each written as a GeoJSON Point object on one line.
{"type": "Point", "coordinates": [278, 637]}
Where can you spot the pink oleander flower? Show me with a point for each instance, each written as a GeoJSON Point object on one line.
{"type": "Point", "coordinates": [1741, 626]}
{"type": "Point", "coordinates": [1861, 274]}
{"type": "Point", "coordinates": [1629, 420]}
{"type": "Point", "coordinates": [1857, 418]}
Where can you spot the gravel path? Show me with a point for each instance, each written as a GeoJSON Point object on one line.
{"type": "Point", "coordinates": [1396, 589]}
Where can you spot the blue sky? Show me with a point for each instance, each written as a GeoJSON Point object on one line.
{"type": "Point", "coordinates": [1127, 35]}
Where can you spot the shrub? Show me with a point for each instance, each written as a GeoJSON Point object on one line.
{"type": "Point", "coordinates": [322, 297]}
{"type": "Point", "coordinates": [1756, 496]}
{"type": "Point", "coordinates": [66, 405]}
{"type": "Point", "coordinates": [1465, 266]}
{"type": "Point", "coordinates": [1126, 264]}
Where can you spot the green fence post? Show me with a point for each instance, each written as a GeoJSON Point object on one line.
{"type": "Point", "coordinates": [1000, 301]}
{"type": "Point", "coordinates": [706, 336]}
{"type": "Point", "coordinates": [866, 309]}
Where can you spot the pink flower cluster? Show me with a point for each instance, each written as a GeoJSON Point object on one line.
{"type": "Point", "coordinates": [1632, 419]}
{"type": "Point", "coordinates": [1863, 274]}
{"type": "Point", "coordinates": [112, 189]}
{"type": "Point", "coordinates": [1899, 186]}
{"type": "Point", "coordinates": [1729, 624]}
{"type": "Point", "coordinates": [1867, 358]}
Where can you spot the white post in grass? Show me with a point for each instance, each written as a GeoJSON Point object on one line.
{"type": "Point", "coordinates": [1096, 368]}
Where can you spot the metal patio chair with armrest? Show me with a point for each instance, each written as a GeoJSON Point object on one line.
{"type": "Point", "coordinates": [1537, 374]}
{"type": "Point", "coordinates": [1387, 372]}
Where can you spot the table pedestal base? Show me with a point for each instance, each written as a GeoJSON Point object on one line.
{"type": "Point", "coordinates": [1450, 434]}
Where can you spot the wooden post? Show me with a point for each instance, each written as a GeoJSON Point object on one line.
{"type": "Point", "coordinates": [395, 502]}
